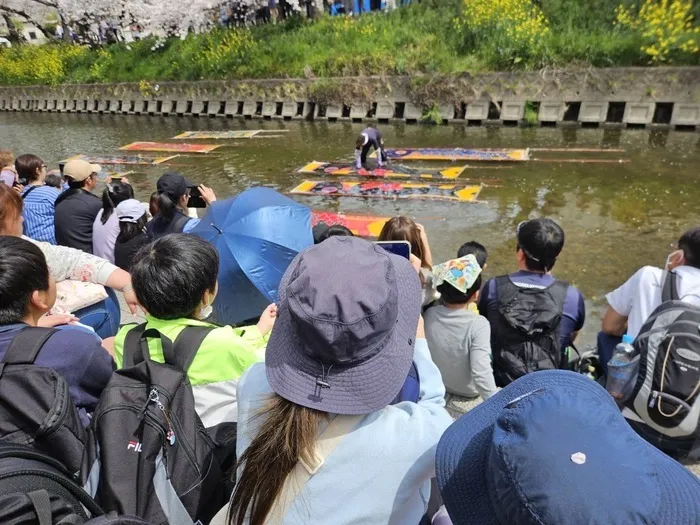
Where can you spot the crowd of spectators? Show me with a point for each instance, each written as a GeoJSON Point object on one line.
{"type": "Point", "coordinates": [315, 390]}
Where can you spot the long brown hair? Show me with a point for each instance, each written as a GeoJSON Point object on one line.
{"type": "Point", "coordinates": [405, 229]}
{"type": "Point", "coordinates": [287, 435]}
{"type": "Point", "coordinates": [10, 208]}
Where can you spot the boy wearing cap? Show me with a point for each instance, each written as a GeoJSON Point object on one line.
{"type": "Point", "coordinates": [77, 207]}
{"type": "Point", "coordinates": [533, 316]}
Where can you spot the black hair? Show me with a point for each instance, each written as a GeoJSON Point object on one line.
{"type": "Point", "coordinates": [53, 180]}
{"type": "Point", "coordinates": [23, 270]}
{"type": "Point", "coordinates": [476, 249]}
{"type": "Point", "coordinates": [450, 295]}
{"type": "Point", "coordinates": [541, 240]}
{"type": "Point", "coordinates": [113, 194]}
{"type": "Point", "coordinates": [75, 184]}
{"type": "Point", "coordinates": [153, 204]}
{"type": "Point", "coordinates": [359, 141]}
{"type": "Point", "coordinates": [690, 244]}
{"type": "Point", "coordinates": [27, 166]}
{"type": "Point", "coordinates": [337, 230]}
{"type": "Point", "coordinates": [129, 230]}
{"type": "Point", "coordinates": [171, 275]}
{"type": "Point", "coordinates": [166, 206]}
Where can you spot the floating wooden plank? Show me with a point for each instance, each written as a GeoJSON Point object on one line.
{"type": "Point", "coordinates": [173, 148]}
{"type": "Point", "coordinates": [121, 159]}
{"type": "Point", "coordinates": [392, 172]}
{"type": "Point", "coordinates": [579, 150]}
{"type": "Point", "coordinates": [218, 135]}
{"type": "Point", "coordinates": [362, 225]}
{"type": "Point", "coordinates": [585, 161]}
{"type": "Point", "coordinates": [389, 190]}
{"type": "Point", "coordinates": [455, 154]}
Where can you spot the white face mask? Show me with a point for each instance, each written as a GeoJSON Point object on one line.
{"type": "Point", "coordinates": [206, 312]}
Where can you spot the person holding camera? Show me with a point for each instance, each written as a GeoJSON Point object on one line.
{"type": "Point", "coordinates": [175, 195]}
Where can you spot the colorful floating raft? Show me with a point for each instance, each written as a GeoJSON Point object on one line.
{"type": "Point", "coordinates": [121, 159]}
{"type": "Point", "coordinates": [229, 134]}
{"type": "Point", "coordinates": [389, 190]}
{"type": "Point", "coordinates": [172, 148]}
{"type": "Point", "coordinates": [455, 154]}
{"type": "Point", "coordinates": [392, 172]}
{"type": "Point", "coordinates": [362, 225]}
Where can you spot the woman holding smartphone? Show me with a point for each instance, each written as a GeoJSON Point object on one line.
{"type": "Point", "coordinates": [174, 193]}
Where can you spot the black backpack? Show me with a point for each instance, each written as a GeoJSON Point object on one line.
{"type": "Point", "coordinates": [37, 489]}
{"type": "Point", "coordinates": [149, 454]}
{"type": "Point", "coordinates": [36, 408]}
{"type": "Point", "coordinates": [525, 329]}
{"type": "Point", "coordinates": [666, 394]}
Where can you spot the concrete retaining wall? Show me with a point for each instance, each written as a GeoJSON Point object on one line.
{"type": "Point", "coordinates": [592, 97]}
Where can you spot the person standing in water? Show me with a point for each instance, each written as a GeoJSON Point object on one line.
{"type": "Point", "coordinates": [369, 138]}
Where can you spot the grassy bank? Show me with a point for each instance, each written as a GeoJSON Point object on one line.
{"type": "Point", "coordinates": [434, 36]}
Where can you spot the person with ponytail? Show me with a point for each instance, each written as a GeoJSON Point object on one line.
{"type": "Point", "coordinates": [173, 195]}
{"type": "Point", "coordinates": [105, 229]}
{"type": "Point", "coordinates": [319, 440]}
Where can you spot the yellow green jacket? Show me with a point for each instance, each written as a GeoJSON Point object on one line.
{"type": "Point", "coordinates": [223, 356]}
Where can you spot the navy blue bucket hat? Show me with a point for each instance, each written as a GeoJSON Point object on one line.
{"type": "Point", "coordinates": [553, 449]}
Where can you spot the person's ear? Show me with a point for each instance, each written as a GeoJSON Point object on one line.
{"type": "Point", "coordinates": [40, 300]}
{"type": "Point", "coordinates": [485, 267]}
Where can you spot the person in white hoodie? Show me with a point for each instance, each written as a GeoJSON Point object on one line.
{"type": "Point", "coordinates": [319, 441]}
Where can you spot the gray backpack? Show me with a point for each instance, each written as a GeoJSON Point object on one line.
{"type": "Point", "coordinates": [666, 395]}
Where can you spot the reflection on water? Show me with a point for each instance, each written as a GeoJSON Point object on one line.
{"type": "Point", "coordinates": [617, 217]}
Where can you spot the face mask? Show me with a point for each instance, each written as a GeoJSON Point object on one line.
{"type": "Point", "coordinates": [673, 259]}
{"type": "Point", "coordinates": [206, 312]}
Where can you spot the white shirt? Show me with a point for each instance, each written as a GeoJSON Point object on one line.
{"type": "Point", "coordinates": [641, 294]}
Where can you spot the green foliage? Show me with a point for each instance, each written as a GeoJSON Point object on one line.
{"type": "Point", "coordinates": [530, 114]}
{"type": "Point", "coordinates": [432, 115]}
{"type": "Point", "coordinates": [432, 38]}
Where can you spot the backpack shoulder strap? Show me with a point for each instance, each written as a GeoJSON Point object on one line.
{"type": "Point", "coordinates": [132, 346]}
{"type": "Point", "coordinates": [505, 289]}
{"type": "Point", "coordinates": [186, 345]}
{"type": "Point", "coordinates": [669, 292]}
{"type": "Point", "coordinates": [42, 506]}
{"type": "Point", "coordinates": [178, 223]}
{"type": "Point", "coordinates": [559, 289]}
{"type": "Point", "coordinates": [297, 479]}
{"type": "Point", "coordinates": [25, 346]}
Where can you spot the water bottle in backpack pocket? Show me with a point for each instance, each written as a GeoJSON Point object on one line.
{"type": "Point", "coordinates": [666, 395]}
{"type": "Point", "coordinates": [623, 369]}
{"type": "Point", "coordinates": [149, 454]}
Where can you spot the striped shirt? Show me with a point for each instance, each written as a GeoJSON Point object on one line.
{"type": "Point", "coordinates": [38, 213]}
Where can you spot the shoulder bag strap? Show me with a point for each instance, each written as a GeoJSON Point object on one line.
{"type": "Point", "coordinates": [669, 292]}
{"type": "Point", "coordinates": [186, 345]}
{"type": "Point", "coordinates": [29, 190]}
{"type": "Point", "coordinates": [25, 346]}
{"type": "Point", "coordinates": [297, 479]}
{"type": "Point", "coordinates": [42, 506]}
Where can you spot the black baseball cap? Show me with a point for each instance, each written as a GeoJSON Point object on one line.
{"type": "Point", "coordinates": [174, 185]}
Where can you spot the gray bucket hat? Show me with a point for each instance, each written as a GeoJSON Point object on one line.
{"type": "Point", "coordinates": [346, 326]}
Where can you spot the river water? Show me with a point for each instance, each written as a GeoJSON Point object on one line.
{"type": "Point", "coordinates": [617, 217]}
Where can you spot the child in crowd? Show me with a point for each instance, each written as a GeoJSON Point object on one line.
{"type": "Point", "coordinates": [405, 229]}
{"type": "Point", "coordinates": [105, 227]}
{"type": "Point", "coordinates": [54, 180]}
{"type": "Point", "coordinates": [325, 390]}
{"type": "Point", "coordinates": [27, 292]}
{"type": "Point", "coordinates": [8, 174]}
{"type": "Point", "coordinates": [479, 251]}
{"type": "Point", "coordinates": [459, 339]}
{"type": "Point", "coordinates": [175, 280]}
{"type": "Point", "coordinates": [132, 232]}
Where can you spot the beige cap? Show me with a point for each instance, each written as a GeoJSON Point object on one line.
{"type": "Point", "coordinates": [79, 170]}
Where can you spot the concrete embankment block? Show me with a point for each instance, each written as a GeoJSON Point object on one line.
{"type": "Point", "coordinates": [512, 111]}
{"type": "Point", "coordinates": [477, 110]}
{"type": "Point", "coordinates": [639, 113]}
{"type": "Point", "coordinates": [593, 111]}
{"type": "Point", "coordinates": [551, 112]}
{"type": "Point", "coordinates": [686, 115]}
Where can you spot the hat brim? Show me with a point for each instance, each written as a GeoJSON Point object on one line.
{"type": "Point", "coordinates": [461, 456]}
{"type": "Point", "coordinates": [354, 390]}
{"type": "Point", "coordinates": [96, 168]}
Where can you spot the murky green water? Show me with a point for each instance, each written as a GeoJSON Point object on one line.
{"type": "Point", "coordinates": [617, 217]}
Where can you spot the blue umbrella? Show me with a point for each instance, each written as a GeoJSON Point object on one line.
{"type": "Point", "coordinates": [257, 234]}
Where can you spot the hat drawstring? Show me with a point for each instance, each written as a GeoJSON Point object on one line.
{"type": "Point", "coordinates": [324, 381]}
